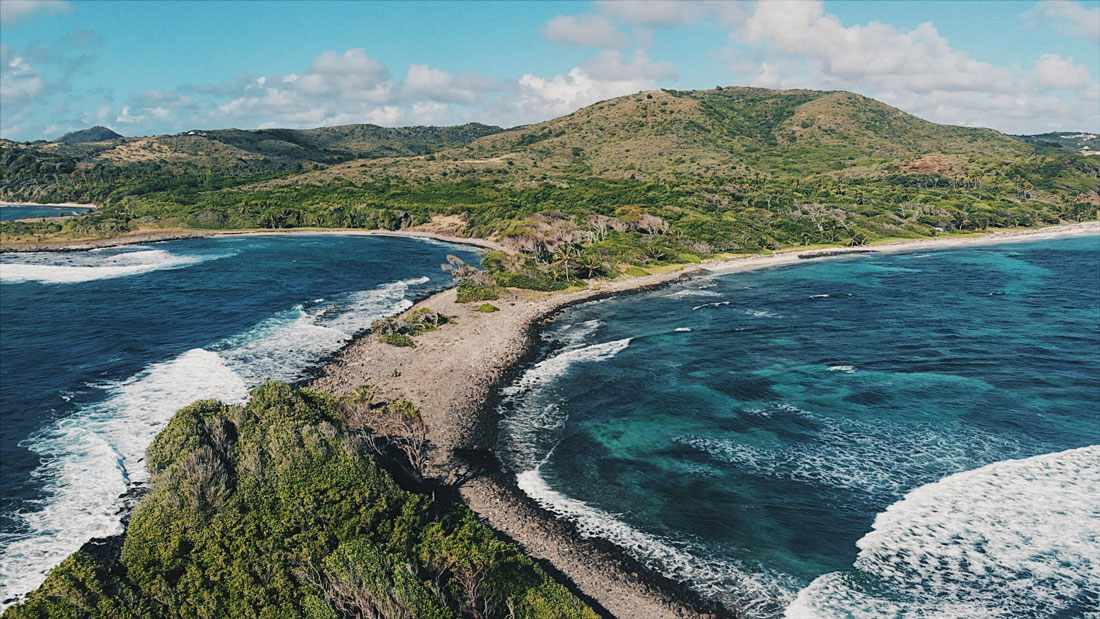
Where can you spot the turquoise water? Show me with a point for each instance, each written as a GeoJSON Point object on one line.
{"type": "Point", "coordinates": [100, 347]}
{"type": "Point", "coordinates": [12, 211]}
{"type": "Point", "coordinates": [891, 435]}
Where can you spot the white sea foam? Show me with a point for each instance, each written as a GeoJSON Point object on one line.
{"type": "Point", "coordinates": [705, 305]}
{"type": "Point", "coordinates": [847, 369]}
{"type": "Point", "coordinates": [93, 456]}
{"type": "Point", "coordinates": [818, 296]}
{"type": "Point", "coordinates": [682, 329]}
{"type": "Point", "coordinates": [723, 579]}
{"type": "Point", "coordinates": [549, 369]}
{"type": "Point", "coordinates": [1016, 538]}
{"type": "Point", "coordinates": [535, 418]}
{"type": "Point", "coordinates": [693, 292]}
{"type": "Point", "coordinates": [53, 268]}
{"type": "Point", "coordinates": [759, 313]}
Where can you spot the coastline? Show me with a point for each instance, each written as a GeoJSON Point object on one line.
{"type": "Point", "coordinates": [64, 204]}
{"type": "Point", "coordinates": [156, 236]}
{"type": "Point", "coordinates": [455, 375]}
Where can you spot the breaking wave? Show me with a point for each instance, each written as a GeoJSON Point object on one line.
{"type": "Point", "coordinates": [93, 457]}
{"type": "Point", "coordinates": [1016, 538]}
{"type": "Point", "coordinates": [71, 268]}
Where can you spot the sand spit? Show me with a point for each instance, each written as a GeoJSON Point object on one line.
{"type": "Point", "coordinates": [455, 374]}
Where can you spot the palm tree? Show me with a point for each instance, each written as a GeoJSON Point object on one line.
{"type": "Point", "coordinates": [565, 256]}
{"type": "Point", "coordinates": [589, 264]}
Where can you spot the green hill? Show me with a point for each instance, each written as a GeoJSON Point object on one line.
{"type": "Point", "coordinates": [93, 134]}
{"type": "Point", "coordinates": [81, 166]}
{"type": "Point", "coordinates": [650, 177]}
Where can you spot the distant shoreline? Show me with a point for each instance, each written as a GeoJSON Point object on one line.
{"type": "Point", "coordinates": [57, 204]}
{"type": "Point", "coordinates": [156, 236]}
{"type": "Point", "coordinates": [455, 374]}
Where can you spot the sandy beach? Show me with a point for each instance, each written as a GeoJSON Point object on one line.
{"type": "Point", "coordinates": [454, 374]}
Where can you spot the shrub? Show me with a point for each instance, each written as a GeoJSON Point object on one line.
{"type": "Point", "coordinates": [487, 308]}
{"type": "Point", "coordinates": [397, 339]}
{"type": "Point", "coordinates": [470, 290]}
{"type": "Point", "coordinates": [530, 282]}
{"type": "Point", "coordinates": [636, 272]}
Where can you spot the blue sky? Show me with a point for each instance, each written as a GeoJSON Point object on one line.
{"type": "Point", "coordinates": [159, 67]}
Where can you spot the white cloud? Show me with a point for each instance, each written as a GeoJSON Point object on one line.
{"type": "Point", "coordinates": [1069, 14]}
{"type": "Point", "coordinates": [350, 75]}
{"type": "Point", "coordinates": [916, 70]}
{"type": "Point", "coordinates": [12, 11]}
{"type": "Point", "coordinates": [1012, 113]}
{"type": "Point", "coordinates": [611, 66]}
{"type": "Point", "coordinates": [429, 113]}
{"type": "Point", "coordinates": [584, 31]}
{"type": "Point", "coordinates": [128, 118]}
{"type": "Point", "coordinates": [538, 98]}
{"type": "Point", "coordinates": [919, 59]}
{"type": "Point", "coordinates": [424, 82]}
{"type": "Point", "coordinates": [18, 79]}
{"type": "Point", "coordinates": [1054, 71]}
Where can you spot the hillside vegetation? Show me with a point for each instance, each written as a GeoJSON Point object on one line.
{"type": "Point", "coordinates": [97, 133]}
{"type": "Point", "coordinates": [109, 170]}
{"type": "Point", "coordinates": [661, 176]}
{"type": "Point", "coordinates": [276, 509]}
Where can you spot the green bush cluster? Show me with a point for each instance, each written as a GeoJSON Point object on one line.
{"type": "Point", "coordinates": [529, 281]}
{"type": "Point", "coordinates": [397, 339]}
{"type": "Point", "coordinates": [487, 308]}
{"type": "Point", "coordinates": [275, 509]}
{"type": "Point", "coordinates": [477, 289]}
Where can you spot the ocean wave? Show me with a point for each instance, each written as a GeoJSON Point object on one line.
{"type": "Point", "coordinates": [706, 305]}
{"type": "Point", "coordinates": [1016, 538]}
{"type": "Point", "coordinates": [847, 369]}
{"type": "Point", "coordinates": [535, 417]}
{"type": "Point", "coordinates": [882, 460]}
{"type": "Point", "coordinates": [95, 455]}
{"type": "Point", "coordinates": [91, 458]}
{"type": "Point", "coordinates": [754, 591]}
{"type": "Point", "coordinates": [551, 368]}
{"type": "Point", "coordinates": [682, 329]}
{"type": "Point", "coordinates": [54, 268]}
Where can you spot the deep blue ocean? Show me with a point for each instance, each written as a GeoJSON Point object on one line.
{"type": "Point", "coordinates": [98, 349]}
{"type": "Point", "coordinates": [12, 211]}
{"type": "Point", "coordinates": [911, 434]}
